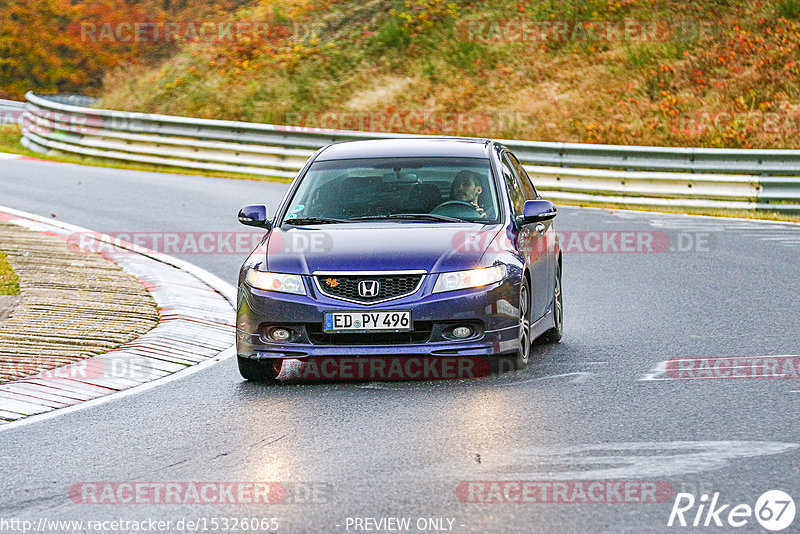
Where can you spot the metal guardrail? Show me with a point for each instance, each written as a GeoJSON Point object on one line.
{"type": "Point", "coordinates": [571, 172]}
{"type": "Point", "coordinates": [11, 105]}
{"type": "Point", "coordinates": [11, 112]}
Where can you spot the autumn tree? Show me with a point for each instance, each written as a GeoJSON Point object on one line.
{"type": "Point", "coordinates": [68, 45]}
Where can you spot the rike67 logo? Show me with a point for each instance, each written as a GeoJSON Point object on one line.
{"type": "Point", "coordinates": [774, 510]}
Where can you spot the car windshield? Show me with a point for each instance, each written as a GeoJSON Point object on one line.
{"type": "Point", "coordinates": [437, 189]}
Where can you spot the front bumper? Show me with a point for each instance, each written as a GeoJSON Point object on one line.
{"type": "Point", "coordinates": [492, 311]}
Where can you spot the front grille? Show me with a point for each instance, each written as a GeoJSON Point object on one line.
{"type": "Point", "coordinates": [420, 334]}
{"type": "Point", "coordinates": [390, 286]}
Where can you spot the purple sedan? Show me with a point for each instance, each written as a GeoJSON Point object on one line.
{"type": "Point", "coordinates": [411, 249]}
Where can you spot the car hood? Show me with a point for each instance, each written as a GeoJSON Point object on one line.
{"type": "Point", "coordinates": [378, 247]}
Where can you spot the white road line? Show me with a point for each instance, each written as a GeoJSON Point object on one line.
{"type": "Point", "coordinates": [683, 218]}
{"type": "Point", "coordinates": [121, 394]}
{"type": "Point", "coordinates": [657, 373]}
{"type": "Point", "coordinates": [6, 155]}
{"type": "Point", "coordinates": [579, 377]}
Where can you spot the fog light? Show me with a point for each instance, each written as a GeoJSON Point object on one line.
{"type": "Point", "coordinates": [280, 334]}
{"type": "Point", "coordinates": [461, 332]}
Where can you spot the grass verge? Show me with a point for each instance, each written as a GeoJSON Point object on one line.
{"type": "Point", "coordinates": [9, 281]}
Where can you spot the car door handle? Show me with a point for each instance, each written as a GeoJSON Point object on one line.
{"type": "Point", "coordinates": [540, 228]}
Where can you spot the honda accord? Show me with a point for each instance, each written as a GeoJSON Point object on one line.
{"type": "Point", "coordinates": [435, 248]}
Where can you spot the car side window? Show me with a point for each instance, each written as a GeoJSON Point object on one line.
{"type": "Point", "coordinates": [514, 186]}
{"type": "Point", "coordinates": [527, 184]}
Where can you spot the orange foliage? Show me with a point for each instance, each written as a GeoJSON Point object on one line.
{"type": "Point", "coordinates": [42, 46]}
{"type": "Point", "coordinates": [68, 45]}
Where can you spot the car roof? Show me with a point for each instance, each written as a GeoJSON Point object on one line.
{"type": "Point", "coordinates": [407, 147]}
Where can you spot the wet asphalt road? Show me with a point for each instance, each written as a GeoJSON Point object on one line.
{"type": "Point", "coordinates": [583, 410]}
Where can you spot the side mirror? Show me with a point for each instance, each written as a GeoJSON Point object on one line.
{"type": "Point", "coordinates": [538, 211]}
{"type": "Point", "coordinates": [255, 215]}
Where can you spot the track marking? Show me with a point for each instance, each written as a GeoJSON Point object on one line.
{"type": "Point", "coordinates": [373, 385]}
{"type": "Point", "coordinates": [785, 234]}
{"type": "Point", "coordinates": [580, 377]}
{"type": "Point", "coordinates": [658, 371]}
{"type": "Point", "coordinates": [609, 461]}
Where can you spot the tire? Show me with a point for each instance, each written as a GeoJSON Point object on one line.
{"type": "Point", "coordinates": [258, 371]}
{"type": "Point", "coordinates": [524, 352]}
{"type": "Point", "coordinates": [554, 334]}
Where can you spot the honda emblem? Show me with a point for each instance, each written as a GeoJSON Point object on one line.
{"type": "Point", "coordinates": [368, 288]}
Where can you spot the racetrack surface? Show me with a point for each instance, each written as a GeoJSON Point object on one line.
{"type": "Point", "coordinates": [581, 410]}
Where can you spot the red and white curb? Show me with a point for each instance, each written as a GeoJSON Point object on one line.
{"type": "Point", "coordinates": [7, 155]}
{"type": "Point", "coordinates": [196, 329]}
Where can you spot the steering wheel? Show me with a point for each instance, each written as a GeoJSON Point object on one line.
{"type": "Point", "coordinates": [456, 208]}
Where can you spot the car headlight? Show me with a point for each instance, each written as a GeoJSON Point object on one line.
{"type": "Point", "coordinates": [284, 283]}
{"type": "Point", "coordinates": [466, 279]}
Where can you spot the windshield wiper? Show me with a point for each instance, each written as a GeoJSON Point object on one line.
{"type": "Point", "coordinates": [411, 217]}
{"type": "Point", "coordinates": [300, 221]}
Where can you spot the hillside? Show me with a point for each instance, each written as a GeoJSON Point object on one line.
{"type": "Point", "coordinates": [677, 72]}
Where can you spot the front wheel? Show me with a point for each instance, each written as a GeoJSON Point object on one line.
{"type": "Point", "coordinates": [259, 371]}
{"type": "Point", "coordinates": [554, 334]}
{"type": "Point", "coordinates": [524, 351]}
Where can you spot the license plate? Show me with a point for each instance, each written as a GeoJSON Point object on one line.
{"type": "Point", "coordinates": [368, 321]}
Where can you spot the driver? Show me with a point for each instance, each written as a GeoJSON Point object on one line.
{"type": "Point", "coordinates": [466, 188]}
